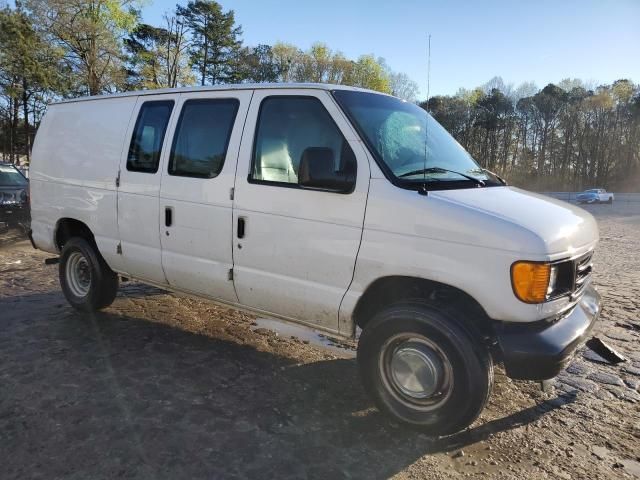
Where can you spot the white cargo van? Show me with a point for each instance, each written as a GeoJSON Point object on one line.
{"type": "Point", "coordinates": [329, 206]}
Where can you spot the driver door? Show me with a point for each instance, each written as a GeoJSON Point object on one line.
{"type": "Point", "coordinates": [294, 248]}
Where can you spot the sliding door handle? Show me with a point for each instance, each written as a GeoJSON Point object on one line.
{"type": "Point", "coordinates": [168, 216]}
{"type": "Point", "coordinates": [241, 223]}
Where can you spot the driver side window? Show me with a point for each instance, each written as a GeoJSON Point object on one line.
{"type": "Point", "coordinates": [297, 143]}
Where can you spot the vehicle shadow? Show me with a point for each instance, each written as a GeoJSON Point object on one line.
{"type": "Point", "coordinates": [99, 396]}
{"type": "Point", "coordinates": [134, 289]}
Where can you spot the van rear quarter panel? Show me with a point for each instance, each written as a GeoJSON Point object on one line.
{"type": "Point", "coordinates": [76, 155]}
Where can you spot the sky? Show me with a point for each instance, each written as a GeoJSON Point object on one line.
{"type": "Point", "coordinates": [471, 41]}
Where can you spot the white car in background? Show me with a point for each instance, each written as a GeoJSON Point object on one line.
{"type": "Point", "coordinates": [595, 195]}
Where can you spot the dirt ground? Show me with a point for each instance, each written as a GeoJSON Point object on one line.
{"type": "Point", "coordinates": [160, 386]}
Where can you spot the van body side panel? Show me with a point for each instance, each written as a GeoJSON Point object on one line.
{"type": "Point", "coordinates": [74, 167]}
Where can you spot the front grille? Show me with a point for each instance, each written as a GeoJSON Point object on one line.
{"type": "Point", "coordinates": [583, 266]}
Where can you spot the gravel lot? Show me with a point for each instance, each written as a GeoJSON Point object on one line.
{"type": "Point", "coordinates": [160, 386]}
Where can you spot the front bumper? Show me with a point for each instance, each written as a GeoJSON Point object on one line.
{"type": "Point", "coordinates": [541, 351]}
{"type": "Point", "coordinates": [14, 214]}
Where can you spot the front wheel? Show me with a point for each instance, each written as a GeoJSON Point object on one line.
{"type": "Point", "coordinates": [421, 367]}
{"type": "Point", "coordinates": [86, 280]}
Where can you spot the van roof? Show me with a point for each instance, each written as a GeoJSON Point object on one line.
{"type": "Point", "coordinates": [206, 88]}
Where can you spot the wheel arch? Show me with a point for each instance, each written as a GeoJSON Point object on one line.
{"type": "Point", "coordinates": [67, 228]}
{"type": "Point", "coordinates": [391, 289]}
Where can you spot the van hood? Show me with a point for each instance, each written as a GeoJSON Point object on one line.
{"type": "Point", "coordinates": [559, 226]}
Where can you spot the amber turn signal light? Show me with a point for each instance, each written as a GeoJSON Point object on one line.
{"type": "Point", "coordinates": [530, 281]}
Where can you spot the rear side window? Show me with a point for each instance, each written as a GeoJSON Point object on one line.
{"type": "Point", "coordinates": [202, 137]}
{"type": "Point", "coordinates": [291, 129]}
{"type": "Point", "coordinates": [148, 136]}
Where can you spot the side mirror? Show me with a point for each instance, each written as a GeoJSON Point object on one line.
{"type": "Point", "coordinates": [317, 170]}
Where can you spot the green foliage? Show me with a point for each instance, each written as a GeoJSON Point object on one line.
{"type": "Point", "coordinates": [564, 136]}
{"type": "Point", "coordinates": [367, 72]}
{"type": "Point", "coordinates": [122, 15]}
{"type": "Point", "coordinates": [157, 56]}
{"type": "Point", "coordinates": [320, 64]}
{"type": "Point", "coordinates": [64, 48]}
{"type": "Point", "coordinates": [571, 135]}
{"type": "Point", "coordinates": [215, 43]}
{"type": "Point", "coordinates": [258, 64]}
{"type": "Point", "coordinates": [29, 69]}
{"type": "Point", "coordinates": [89, 32]}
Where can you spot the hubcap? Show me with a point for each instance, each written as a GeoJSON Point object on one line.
{"type": "Point", "coordinates": [416, 371]}
{"type": "Point", "coordinates": [78, 273]}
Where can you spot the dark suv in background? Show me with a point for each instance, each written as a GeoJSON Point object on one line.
{"type": "Point", "coordinates": [14, 198]}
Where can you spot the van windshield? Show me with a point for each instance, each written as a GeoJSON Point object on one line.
{"type": "Point", "coordinates": [11, 177]}
{"type": "Point", "coordinates": [400, 135]}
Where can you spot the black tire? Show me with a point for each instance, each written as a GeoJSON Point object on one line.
{"type": "Point", "coordinates": [470, 363]}
{"type": "Point", "coordinates": [102, 285]}
{"type": "Point", "coordinates": [610, 200]}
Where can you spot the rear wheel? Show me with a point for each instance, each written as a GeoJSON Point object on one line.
{"type": "Point", "coordinates": [86, 280]}
{"type": "Point", "coordinates": [610, 200]}
{"type": "Point", "coordinates": [424, 369]}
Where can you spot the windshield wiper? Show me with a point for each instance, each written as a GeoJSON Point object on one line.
{"type": "Point", "coordinates": [500, 179]}
{"type": "Point", "coordinates": [475, 180]}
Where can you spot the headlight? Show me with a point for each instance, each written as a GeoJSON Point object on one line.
{"type": "Point", "coordinates": [537, 282]}
{"type": "Point", "coordinates": [6, 199]}
{"type": "Point", "coordinates": [553, 280]}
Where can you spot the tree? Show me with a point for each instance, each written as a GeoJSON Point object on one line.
{"type": "Point", "coordinates": [157, 56]}
{"type": "Point", "coordinates": [497, 83]}
{"type": "Point", "coordinates": [177, 64]}
{"type": "Point", "coordinates": [215, 44]}
{"type": "Point", "coordinates": [28, 69]}
{"type": "Point", "coordinates": [403, 87]}
{"type": "Point", "coordinates": [367, 72]}
{"type": "Point", "coordinates": [286, 58]}
{"type": "Point", "coordinates": [567, 136]}
{"type": "Point", "coordinates": [89, 32]}
{"type": "Point", "coordinates": [548, 102]}
{"type": "Point", "coordinates": [258, 64]}
{"type": "Point", "coordinates": [321, 64]}
{"type": "Point", "coordinates": [143, 46]}
{"type": "Point", "coordinates": [316, 63]}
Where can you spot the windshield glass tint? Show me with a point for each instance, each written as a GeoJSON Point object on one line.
{"type": "Point", "coordinates": [9, 176]}
{"type": "Point", "coordinates": [401, 134]}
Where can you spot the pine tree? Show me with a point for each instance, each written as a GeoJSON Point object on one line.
{"type": "Point", "coordinates": [215, 43]}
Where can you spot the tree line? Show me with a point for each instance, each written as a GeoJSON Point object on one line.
{"type": "Point", "coordinates": [570, 136]}
{"type": "Point", "coordinates": [55, 49]}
